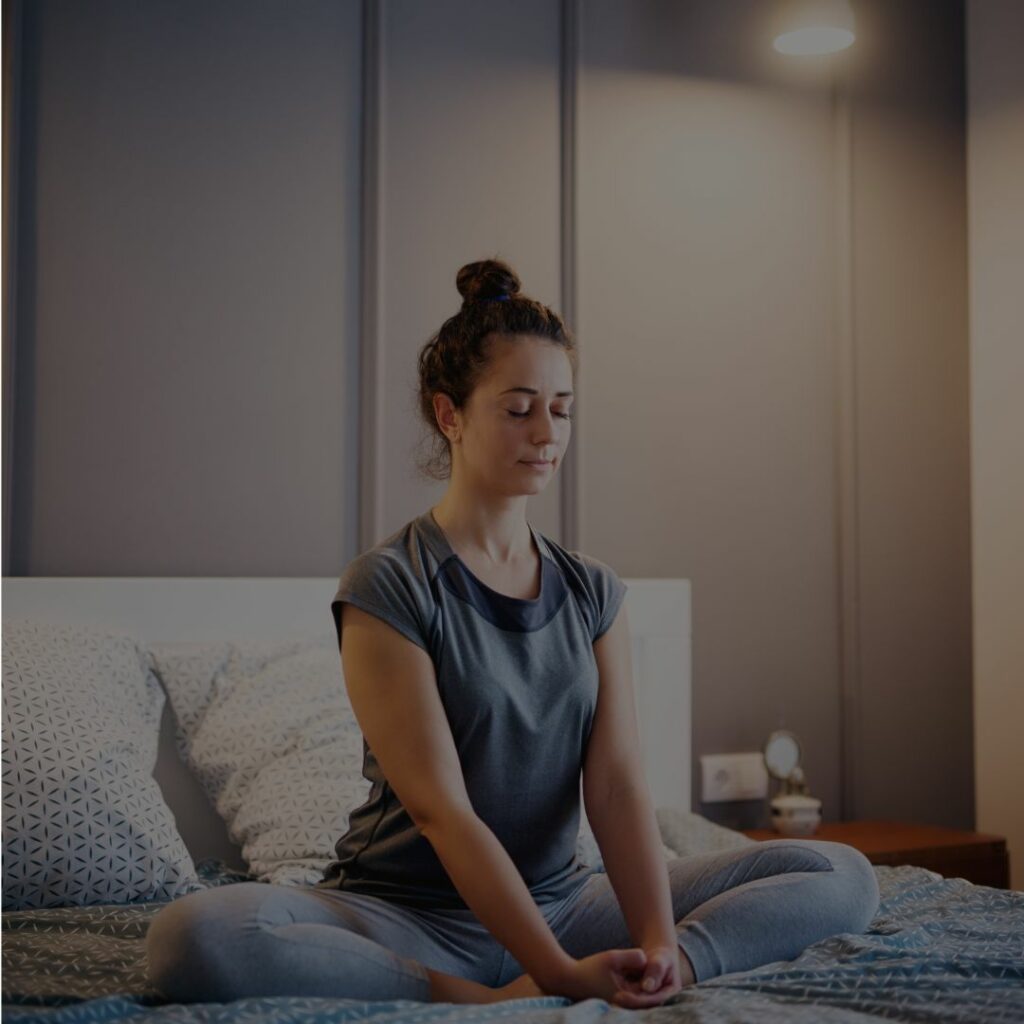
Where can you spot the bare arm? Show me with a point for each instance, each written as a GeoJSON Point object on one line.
{"type": "Point", "coordinates": [617, 799]}
{"type": "Point", "coordinates": [393, 689]}
{"type": "Point", "coordinates": [490, 883]}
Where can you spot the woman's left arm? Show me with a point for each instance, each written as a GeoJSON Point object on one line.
{"type": "Point", "coordinates": [618, 802]}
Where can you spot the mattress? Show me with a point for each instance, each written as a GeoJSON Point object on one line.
{"type": "Point", "coordinates": [938, 950]}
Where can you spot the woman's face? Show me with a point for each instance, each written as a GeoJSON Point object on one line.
{"type": "Point", "coordinates": [516, 425]}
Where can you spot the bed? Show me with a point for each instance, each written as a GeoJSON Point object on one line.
{"type": "Point", "coordinates": [177, 673]}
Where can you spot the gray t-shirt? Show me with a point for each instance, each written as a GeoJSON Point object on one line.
{"type": "Point", "coordinates": [518, 681]}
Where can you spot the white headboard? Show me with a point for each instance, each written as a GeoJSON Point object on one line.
{"type": "Point", "coordinates": [197, 609]}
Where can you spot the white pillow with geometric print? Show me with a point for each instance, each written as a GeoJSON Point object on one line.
{"type": "Point", "coordinates": [268, 730]}
{"type": "Point", "coordinates": [84, 821]}
{"type": "Point", "coordinates": [690, 834]}
{"type": "Point", "coordinates": [683, 834]}
{"type": "Point", "coordinates": [590, 853]}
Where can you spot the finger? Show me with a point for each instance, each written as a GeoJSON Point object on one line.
{"type": "Point", "coordinates": [630, 980]}
{"type": "Point", "coordinates": [635, 987]}
{"type": "Point", "coordinates": [655, 976]}
{"type": "Point", "coordinates": [667, 988]}
{"type": "Point", "coordinates": [635, 1001]}
{"type": "Point", "coordinates": [652, 986]}
{"type": "Point", "coordinates": [628, 985]}
{"type": "Point", "coordinates": [661, 970]}
{"type": "Point", "coordinates": [628, 959]}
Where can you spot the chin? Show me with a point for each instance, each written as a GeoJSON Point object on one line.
{"type": "Point", "coordinates": [522, 492]}
{"type": "Point", "coordinates": [520, 489]}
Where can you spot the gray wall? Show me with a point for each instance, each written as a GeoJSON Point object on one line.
{"type": "Point", "coordinates": [765, 264]}
{"type": "Point", "coordinates": [996, 217]}
{"type": "Point", "coordinates": [909, 311]}
{"type": "Point", "coordinates": [188, 274]}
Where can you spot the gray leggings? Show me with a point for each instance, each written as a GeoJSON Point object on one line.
{"type": "Point", "coordinates": [733, 911]}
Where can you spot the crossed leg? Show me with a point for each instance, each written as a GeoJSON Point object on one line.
{"type": "Point", "coordinates": [735, 910]}
{"type": "Point", "coordinates": [253, 939]}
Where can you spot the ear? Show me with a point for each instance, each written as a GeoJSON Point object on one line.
{"type": "Point", "coordinates": [447, 416]}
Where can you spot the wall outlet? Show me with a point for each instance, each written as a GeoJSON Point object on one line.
{"type": "Point", "coordinates": [733, 777]}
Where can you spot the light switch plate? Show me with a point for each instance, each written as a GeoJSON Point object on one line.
{"type": "Point", "coordinates": [733, 777]}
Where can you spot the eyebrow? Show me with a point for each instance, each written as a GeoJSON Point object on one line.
{"type": "Point", "coordinates": [534, 391]}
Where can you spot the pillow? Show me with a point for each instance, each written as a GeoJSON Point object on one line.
{"type": "Point", "coordinates": [84, 821]}
{"type": "Point", "coordinates": [267, 729]}
{"type": "Point", "coordinates": [590, 853]}
{"type": "Point", "coordinates": [688, 833]}
{"type": "Point", "coordinates": [683, 834]}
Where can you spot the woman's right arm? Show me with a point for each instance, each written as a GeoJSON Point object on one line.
{"type": "Point", "coordinates": [393, 690]}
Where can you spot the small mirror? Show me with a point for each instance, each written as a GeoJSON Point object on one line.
{"type": "Point", "coordinates": [781, 754]}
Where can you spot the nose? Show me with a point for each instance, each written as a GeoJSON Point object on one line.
{"type": "Point", "coordinates": [544, 431]}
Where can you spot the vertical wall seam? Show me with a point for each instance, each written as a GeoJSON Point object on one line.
{"type": "Point", "coordinates": [370, 361]}
{"type": "Point", "coordinates": [847, 481]}
{"type": "Point", "coordinates": [572, 465]}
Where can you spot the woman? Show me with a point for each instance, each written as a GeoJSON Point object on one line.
{"type": "Point", "coordinates": [488, 667]}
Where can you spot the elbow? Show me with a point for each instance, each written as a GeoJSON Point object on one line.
{"type": "Point", "coordinates": [611, 789]}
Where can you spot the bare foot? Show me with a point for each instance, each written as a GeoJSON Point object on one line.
{"type": "Point", "coordinates": [449, 988]}
{"type": "Point", "coordinates": [686, 975]}
{"type": "Point", "coordinates": [524, 987]}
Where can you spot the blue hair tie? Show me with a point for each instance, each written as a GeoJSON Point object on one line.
{"type": "Point", "coordinates": [500, 298]}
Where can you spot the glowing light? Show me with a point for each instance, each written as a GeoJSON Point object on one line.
{"type": "Point", "coordinates": [811, 27]}
{"type": "Point", "coordinates": [818, 39]}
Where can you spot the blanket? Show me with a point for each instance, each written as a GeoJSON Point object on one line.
{"type": "Point", "coordinates": [942, 950]}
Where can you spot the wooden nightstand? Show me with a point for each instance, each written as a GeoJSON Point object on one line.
{"type": "Point", "coordinates": [952, 853]}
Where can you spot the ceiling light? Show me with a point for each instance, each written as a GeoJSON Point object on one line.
{"type": "Point", "coordinates": [815, 27]}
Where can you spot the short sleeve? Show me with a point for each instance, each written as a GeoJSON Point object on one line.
{"type": "Point", "coordinates": [379, 584]}
{"type": "Point", "coordinates": [608, 592]}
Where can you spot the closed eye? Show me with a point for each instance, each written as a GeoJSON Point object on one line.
{"type": "Point", "coordinates": [519, 415]}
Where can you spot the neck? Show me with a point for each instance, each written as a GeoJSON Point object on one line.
{"type": "Point", "coordinates": [495, 530]}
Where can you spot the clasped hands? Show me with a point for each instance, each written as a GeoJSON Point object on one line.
{"type": "Point", "coordinates": [632, 978]}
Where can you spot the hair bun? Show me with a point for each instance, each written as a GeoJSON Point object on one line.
{"type": "Point", "coordinates": [486, 279]}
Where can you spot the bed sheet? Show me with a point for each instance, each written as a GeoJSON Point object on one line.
{"type": "Point", "coordinates": [938, 950]}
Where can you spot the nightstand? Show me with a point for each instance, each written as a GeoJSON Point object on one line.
{"type": "Point", "coordinates": [951, 852]}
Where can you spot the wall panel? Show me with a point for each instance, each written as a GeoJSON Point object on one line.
{"type": "Point", "coordinates": [706, 212]}
{"type": "Point", "coordinates": [188, 281]}
{"type": "Point", "coordinates": [469, 160]}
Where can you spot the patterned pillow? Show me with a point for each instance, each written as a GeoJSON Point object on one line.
{"type": "Point", "coordinates": [590, 853]}
{"type": "Point", "coordinates": [687, 833]}
{"type": "Point", "coordinates": [84, 821]}
{"type": "Point", "coordinates": [268, 731]}
{"type": "Point", "coordinates": [683, 834]}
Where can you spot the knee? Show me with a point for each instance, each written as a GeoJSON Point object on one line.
{"type": "Point", "coordinates": [188, 945]}
{"type": "Point", "coordinates": [856, 882]}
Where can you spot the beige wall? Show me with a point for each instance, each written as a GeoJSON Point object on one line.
{"type": "Point", "coordinates": [706, 290]}
{"type": "Point", "coordinates": [996, 180]}
{"type": "Point", "coordinates": [910, 734]}
{"type": "Point", "coordinates": [773, 299]}
{"type": "Point", "coordinates": [765, 265]}
{"type": "Point", "coordinates": [469, 168]}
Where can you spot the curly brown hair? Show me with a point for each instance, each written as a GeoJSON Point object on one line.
{"type": "Point", "coordinates": [455, 358]}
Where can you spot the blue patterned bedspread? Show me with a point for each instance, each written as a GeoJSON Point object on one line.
{"type": "Point", "coordinates": [938, 950]}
